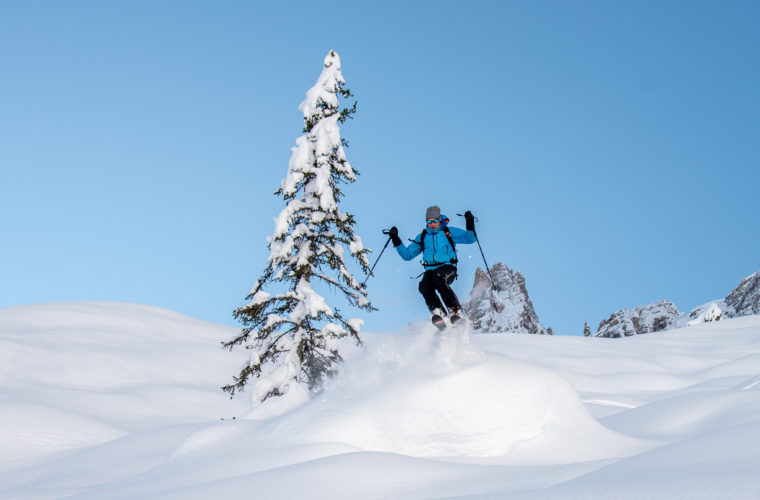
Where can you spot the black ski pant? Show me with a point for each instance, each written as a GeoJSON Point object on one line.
{"type": "Point", "coordinates": [439, 280]}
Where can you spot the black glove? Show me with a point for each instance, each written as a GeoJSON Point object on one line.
{"type": "Point", "coordinates": [469, 221]}
{"type": "Point", "coordinates": [393, 233]}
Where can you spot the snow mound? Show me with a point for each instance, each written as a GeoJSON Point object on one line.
{"type": "Point", "coordinates": [30, 430]}
{"type": "Point", "coordinates": [424, 396]}
{"type": "Point", "coordinates": [75, 375]}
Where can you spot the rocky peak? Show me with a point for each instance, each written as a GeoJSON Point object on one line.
{"type": "Point", "coordinates": [503, 307]}
{"type": "Point", "coordinates": [643, 319]}
{"type": "Point", "coordinates": [744, 300]}
{"type": "Point", "coordinates": [712, 311]}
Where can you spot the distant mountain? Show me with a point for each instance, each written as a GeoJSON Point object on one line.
{"type": "Point", "coordinates": [503, 307]}
{"type": "Point", "coordinates": [654, 317]}
{"type": "Point", "coordinates": [506, 307]}
{"type": "Point", "coordinates": [744, 300]}
{"type": "Point", "coordinates": [706, 313]}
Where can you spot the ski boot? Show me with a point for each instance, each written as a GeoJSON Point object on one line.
{"type": "Point", "coordinates": [456, 316]}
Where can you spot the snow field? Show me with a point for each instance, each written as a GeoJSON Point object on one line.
{"type": "Point", "coordinates": [75, 375]}
{"type": "Point", "coordinates": [103, 400]}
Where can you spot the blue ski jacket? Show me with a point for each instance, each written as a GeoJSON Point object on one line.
{"type": "Point", "coordinates": [438, 251]}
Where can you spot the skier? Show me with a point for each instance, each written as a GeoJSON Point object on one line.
{"type": "Point", "coordinates": [436, 243]}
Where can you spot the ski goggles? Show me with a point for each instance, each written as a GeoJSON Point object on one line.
{"type": "Point", "coordinates": [433, 221]}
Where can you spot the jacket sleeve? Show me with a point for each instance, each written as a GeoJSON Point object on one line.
{"type": "Point", "coordinates": [462, 235]}
{"type": "Point", "coordinates": [411, 251]}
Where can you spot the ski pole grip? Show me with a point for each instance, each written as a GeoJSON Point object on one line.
{"type": "Point", "coordinates": [473, 217]}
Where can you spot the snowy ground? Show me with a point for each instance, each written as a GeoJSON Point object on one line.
{"type": "Point", "coordinates": [105, 401]}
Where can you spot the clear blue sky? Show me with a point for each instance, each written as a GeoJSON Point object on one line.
{"type": "Point", "coordinates": [609, 148]}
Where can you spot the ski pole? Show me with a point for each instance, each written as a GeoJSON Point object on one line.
{"type": "Point", "coordinates": [385, 231]}
{"type": "Point", "coordinates": [488, 269]}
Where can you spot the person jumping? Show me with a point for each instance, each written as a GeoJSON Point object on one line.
{"type": "Point", "coordinates": [437, 244]}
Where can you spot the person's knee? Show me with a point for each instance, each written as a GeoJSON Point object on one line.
{"type": "Point", "coordinates": [428, 283]}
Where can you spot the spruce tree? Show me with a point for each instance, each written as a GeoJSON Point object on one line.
{"type": "Point", "coordinates": [292, 334]}
{"type": "Point", "coordinates": [586, 330]}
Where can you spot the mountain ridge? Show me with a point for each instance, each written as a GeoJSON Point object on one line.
{"type": "Point", "coordinates": [504, 306]}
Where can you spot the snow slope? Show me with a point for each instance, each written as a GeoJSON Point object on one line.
{"type": "Point", "coordinates": [105, 400]}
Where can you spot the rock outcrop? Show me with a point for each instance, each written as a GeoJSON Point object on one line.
{"type": "Point", "coordinates": [654, 317]}
{"type": "Point", "coordinates": [706, 313]}
{"type": "Point", "coordinates": [503, 307]}
{"type": "Point", "coordinates": [744, 300]}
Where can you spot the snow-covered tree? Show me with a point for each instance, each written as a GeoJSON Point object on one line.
{"type": "Point", "coordinates": [292, 334]}
{"type": "Point", "coordinates": [586, 330]}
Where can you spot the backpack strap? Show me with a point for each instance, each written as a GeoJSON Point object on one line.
{"type": "Point", "coordinates": [451, 241]}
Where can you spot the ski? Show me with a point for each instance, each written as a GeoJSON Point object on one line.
{"type": "Point", "coordinates": [438, 322]}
